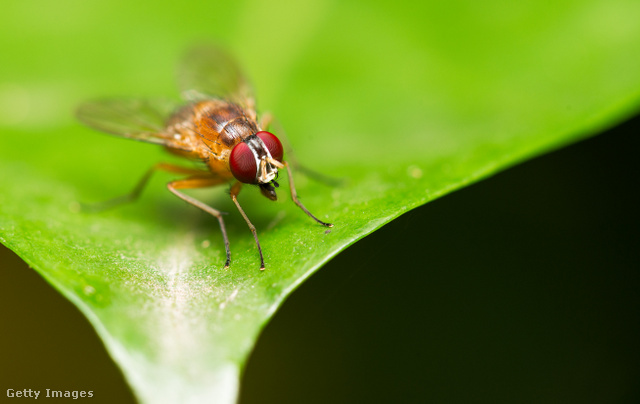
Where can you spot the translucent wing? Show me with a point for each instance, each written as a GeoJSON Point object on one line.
{"type": "Point", "coordinates": [139, 119]}
{"type": "Point", "coordinates": [209, 72]}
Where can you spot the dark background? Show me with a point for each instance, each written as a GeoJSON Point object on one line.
{"type": "Point", "coordinates": [521, 288]}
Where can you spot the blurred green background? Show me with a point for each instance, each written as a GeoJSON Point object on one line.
{"type": "Point", "coordinates": [522, 288]}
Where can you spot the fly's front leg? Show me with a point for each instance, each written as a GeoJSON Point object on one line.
{"type": "Point", "coordinates": [294, 196]}
{"type": "Point", "coordinates": [235, 190]}
{"type": "Point", "coordinates": [267, 120]}
{"type": "Point", "coordinates": [137, 190]}
{"type": "Point", "coordinates": [202, 181]}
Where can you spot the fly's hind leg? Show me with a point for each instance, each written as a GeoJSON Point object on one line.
{"type": "Point", "coordinates": [202, 181]}
{"type": "Point", "coordinates": [137, 190]}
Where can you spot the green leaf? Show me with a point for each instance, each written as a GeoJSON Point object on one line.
{"type": "Point", "coordinates": [407, 102]}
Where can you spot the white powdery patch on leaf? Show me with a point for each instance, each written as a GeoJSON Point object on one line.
{"type": "Point", "coordinates": [175, 366]}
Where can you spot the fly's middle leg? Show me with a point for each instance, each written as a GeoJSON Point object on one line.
{"type": "Point", "coordinates": [202, 182]}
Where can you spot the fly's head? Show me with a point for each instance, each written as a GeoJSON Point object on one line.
{"type": "Point", "coordinates": [256, 160]}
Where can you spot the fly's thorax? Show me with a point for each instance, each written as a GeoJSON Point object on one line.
{"type": "Point", "coordinates": [217, 126]}
{"type": "Point", "coordinates": [223, 123]}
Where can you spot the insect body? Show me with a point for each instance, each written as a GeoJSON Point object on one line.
{"type": "Point", "coordinates": [218, 125]}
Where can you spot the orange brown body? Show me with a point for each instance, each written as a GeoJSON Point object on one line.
{"type": "Point", "coordinates": [208, 131]}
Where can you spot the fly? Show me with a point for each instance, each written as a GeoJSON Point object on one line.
{"type": "Point", "coordinates": [216, 124]}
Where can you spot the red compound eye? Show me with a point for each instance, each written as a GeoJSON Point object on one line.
{"type": "Point", "coordinates": [243, 163]}
{"type": "Point", "coordinates": [273, 144]}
